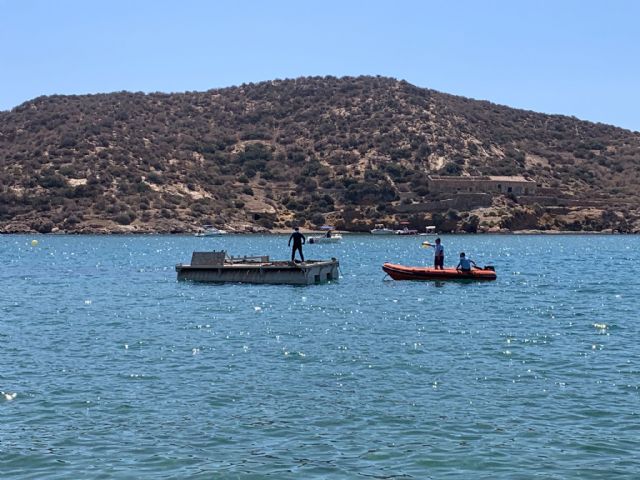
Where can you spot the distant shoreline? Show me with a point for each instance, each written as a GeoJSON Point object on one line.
{"type": "Point", "coordinates": [320, 232]}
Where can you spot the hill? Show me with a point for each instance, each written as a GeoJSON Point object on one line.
{"type": "Point", "coordinates": [347, 151]}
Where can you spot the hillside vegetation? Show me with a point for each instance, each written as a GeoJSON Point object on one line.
{"type": "Point", "coordinates": [347, 151]}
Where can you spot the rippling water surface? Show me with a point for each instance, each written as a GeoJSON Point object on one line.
{"type": "Point", "coordinates": [119, 371]}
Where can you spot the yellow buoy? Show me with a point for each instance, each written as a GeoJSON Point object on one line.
{"type": "Point", "coordinates": [34, 243]}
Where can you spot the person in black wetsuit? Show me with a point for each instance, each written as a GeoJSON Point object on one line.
{"type": "Point", "coordinates": [298, 241]}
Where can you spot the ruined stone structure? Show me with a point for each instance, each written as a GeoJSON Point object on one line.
{"type": "Point", "coordinates": [460, 201]}
{"type": "Point", "coordinates": [516, 184]}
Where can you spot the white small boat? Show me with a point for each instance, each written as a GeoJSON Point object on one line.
{"type": "Point", "coordinates": [406, 231]}
{"type": "Point", "coordinates": [334, 238]}
{"type": "Point", "coordinates": [381, 230]}
{"type": "Point", "coordinates": [430, 230]}
{"type": "Point", "coordinates": [210, 231]}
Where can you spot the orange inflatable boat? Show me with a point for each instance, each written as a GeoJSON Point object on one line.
{"type": "Point", "coordinates": [401, 272]}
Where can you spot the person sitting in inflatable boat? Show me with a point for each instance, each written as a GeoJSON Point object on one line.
{"type": "Point", "coordinates": [465, 263]}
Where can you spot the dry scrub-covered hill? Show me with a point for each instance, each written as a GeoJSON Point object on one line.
{"type": "Point", "coordinates": [350, 151]}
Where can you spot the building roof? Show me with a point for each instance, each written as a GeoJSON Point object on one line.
{"type": "Point", "coordinates": [484, 178]}
{"type": "Point", "coordinates": [505, 178]}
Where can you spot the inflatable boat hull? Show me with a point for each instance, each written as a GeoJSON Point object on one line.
{"type": "Point", "coordinates": [402, 272]}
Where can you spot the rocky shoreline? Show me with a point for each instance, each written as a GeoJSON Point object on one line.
{"type": "Point", "coordinates": [252, 230]}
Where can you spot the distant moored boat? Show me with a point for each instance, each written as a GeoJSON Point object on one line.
{"type": "Point", "coordinates": [381, 230]}
{"type": "Point", "coordinates": [406, 231]}
{"type": "Point", "coordinates": [430, 230]}
{"type": "Point", "coordinates": [334, 238]}
{"type": "Point", "coordinates": [210, 231]}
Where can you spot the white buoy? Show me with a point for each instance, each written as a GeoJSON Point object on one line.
{"type": "Point", "coordinates": [34, 243]}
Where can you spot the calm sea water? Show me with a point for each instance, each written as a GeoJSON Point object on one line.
{"type": "Point", "coordinates": [119, 371]}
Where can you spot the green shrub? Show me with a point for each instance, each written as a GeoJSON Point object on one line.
{"type": "Point", "coordinates": [125, 218]}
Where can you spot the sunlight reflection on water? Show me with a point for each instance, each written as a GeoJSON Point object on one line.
{"type": "Point", "coordinates": [111, 358]}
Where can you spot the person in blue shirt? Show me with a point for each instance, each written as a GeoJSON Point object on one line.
{"type": "Point", "coordinates": [465, 263]}
{"type": "Point", "coordinates": [438, 257]}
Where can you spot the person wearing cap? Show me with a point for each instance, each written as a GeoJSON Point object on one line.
{"type": "Point", "coordinates": [298, 241]}
{"type": "Point", "coordinates": [464, 264]}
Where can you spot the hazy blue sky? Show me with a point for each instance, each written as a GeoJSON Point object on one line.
{"type": "Point", "coordinates": [572, 57]}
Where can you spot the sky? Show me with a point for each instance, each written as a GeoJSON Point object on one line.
{"type": "Point", "coordinates": [570, 57]}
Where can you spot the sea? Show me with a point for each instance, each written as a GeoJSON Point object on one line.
{"type": "Point", "coordinates": [110, 368]}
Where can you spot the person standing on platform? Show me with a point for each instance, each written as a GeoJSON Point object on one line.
{"type": "Point", "coordinates": [298, 241]}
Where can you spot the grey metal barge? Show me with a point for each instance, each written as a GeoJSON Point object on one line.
{"type": "Point", "coordinates": [219, 267]}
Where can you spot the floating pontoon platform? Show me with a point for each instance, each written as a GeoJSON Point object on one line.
{"type": "Point", "coordinates": [218, 267]}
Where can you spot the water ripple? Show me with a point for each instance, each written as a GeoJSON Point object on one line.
{"type": "Point", "coordinates": [117, 368]}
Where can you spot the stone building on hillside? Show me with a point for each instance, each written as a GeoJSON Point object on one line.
{"type": "Point", "coordinates": [517, 184]}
